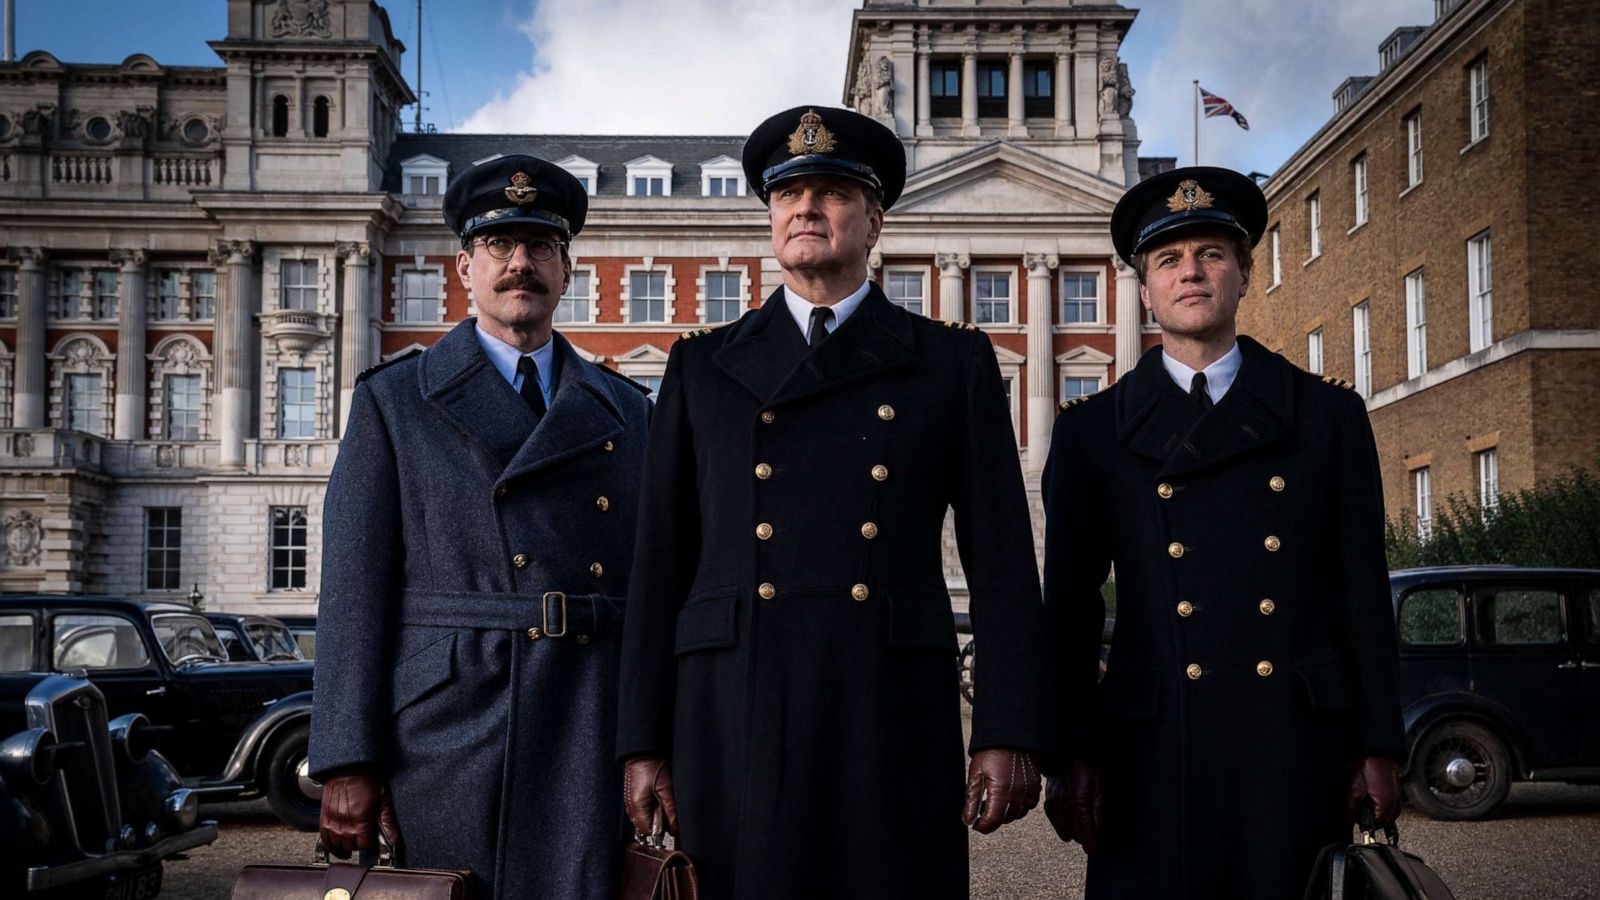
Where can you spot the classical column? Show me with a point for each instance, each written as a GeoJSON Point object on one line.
{"type": "Point", "coordinates": [1063, 95]}
{"type": "Point", "coordinates": [355, 352]}
{"type": "Point", "coordinates": [969, 93]}
{"type": "Point", "coordinates": [28, 410]}
{"type": "Point", "coordinates": [1041, 359]}
{"type": "Point", "coordinates": [1130, 319]}
{"type": "Point", "coordinates": [1014, 120]}
{"type": "Point", "coordinates": [234, 351]}
{"type": "Point", "coordinates": [129, 424]}
{"type": "Point", "coordinates": [924, 92]}
{"type": "Point", "coordinates": [952, 294]}
{"type": "Point", "coordinates": [1086, 83]}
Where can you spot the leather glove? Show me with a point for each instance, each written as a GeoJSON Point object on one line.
{"type": "Point", "coordinates": [356, 807]}
{"type": "Point", "coordinates": [647, 795]}
{"type": "Point", "coordinates": [1002, 785]}
{"type": "Point", "coordinates": [1378, 778]}
{"type": "Point", "coordinates": [1075, 805]}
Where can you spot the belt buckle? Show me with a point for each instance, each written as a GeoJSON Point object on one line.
{"type": "Point", "coordinates": [544, 610]}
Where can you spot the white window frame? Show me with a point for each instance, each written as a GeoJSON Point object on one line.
{"type": "Point", "coordinates": [283, 403]}
{"type": "Point", "coordinates": [590, 298]}
{"type": "Point", "coordinates": [158, 279]}
{"type": "Point", "coordinates": [1099, 319]}
{"type": "Point", "coordinates": [1358, 176]}
{"type": "Point", "coordinates": [703, 291]}
{"type": "Point", "coordinates": [627, 291]}
{"type": "Point", "coordinates": [169, 407]}
{"type": "Point", "coordinates": [70, 284]}
{"type": "Point", "coordinates": [1277, 256]}
{"type": "Point", "coordinates": [1361, 329]}
{"type": "Point", "coordinates": [309, 264]}
{"type": "Point", "coordinates": [397, 294]}
{"type": "Point", "coordinates": [1314, 220]}
{"type": "Point", "coordinates": [194, 288]}
{"type": "Point", "coordinates": [178, 354]}
{"type": "Point", "coordinates": [81, 354]}
{"type": "Point", "coordinates": [649, 167]}
{"type": "Point", "coordinates": [305, 548]}
{"type": "Point", "coordinates": [1488, 461]}
{"type": "Point", "coordinates": [102, 310]}
{"type": "Point", "coordinates": [1480, 289]}
{"type": "Point", "coordinates": [586, 171]}
{"type": "Point", "coordinates": [1011, 364]}
{"type": "Point", "coordinates": [1314, 358]}
{"type": "Point", "coordinates": [643, 361]}
{"type": "Point", "coordinates": [1081, 362]}
{"type": "Point", "coordinates": [1011, 298]}
{"type": "Point", "coordinates": [94, 407]}
{"type": "Point", "coordinates": [1478, 99]}
{"type": "Point", "coordinates": [924, 276]}
{"type": "Point", "coordinates": [725, 167]}
{"type": "Point", "coordinates": [1413, 149]}
{"type": "Point", "coordinates": [422, 166]}
{"type": "Point", "coordinates": [1422, 489]}
{"type": "Point", "coordinates": [166, 530]}
{"type": "Point", "coordinates": [1061, 386]}
{"type": "Point", "coordinates": [1416, 322]}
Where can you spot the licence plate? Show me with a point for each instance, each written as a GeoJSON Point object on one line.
{"type": "Point", "coordinates": [144, 884]}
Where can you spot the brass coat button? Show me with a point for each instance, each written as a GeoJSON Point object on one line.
{"type": "Point", "coordinates": [767, 591]}
{"type": "Point", "coordinates": [1272, 543]}
{"type": "Point", "coordinates": [500, 489]}
{"type": "Point", "coordinates": [886, 412]}
{"type": "Point", "coordinates": [1164, 491]}
{"type": "Point", "coordinates": [1267, 607]}
{"type": "Point", "coordinates": [1185, 609]}
{"type": "Point", "coordinates": [1193, 671]}
{"type": "Point", "coordinates": [768, 415]}
{"type": "Point", "coordinates": [869, 530]}
{"type": "Point", "coordinates": [1174, 549]}
{"type": "Point", "coordinates": [1276, 483]}
{"type": "Point", "coordinates": [859, 592]}
{"type": "Point", "coordinates": [880, 473]}
{"type": "Point", "coordinates": [763, 471]}
{"type": "Point", "coordinates": [336, 894]}
{"type": "Point", "coordinates": [1263, 668]}
{"type": "Point", "coordinates": [597, 570]}
{"type": "Point", "coordinates": [610, 446]}
{"type": "Point", "coordinates": [763, 531]}
{"type": "Point", "coordinates": [534, 634]}
{"type": "Point", "coordinates": [520, 560]}
{"type": "Point", "coordinates": [602, 504]}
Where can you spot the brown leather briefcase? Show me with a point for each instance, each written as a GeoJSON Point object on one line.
{"type": "Point", "coordinates": [323, 880]}
{"type": "Point", "coordinates": [652, 872]}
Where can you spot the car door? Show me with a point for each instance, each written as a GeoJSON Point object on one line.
{"type": "Point", "coordinates": [1586, 606]}
{"type": "Point", "coordinates": [1431, 618]}
{"type": "Point", "coordinates": [1524, 660]}
{"type": "Point", "coordinates": [110, 648]}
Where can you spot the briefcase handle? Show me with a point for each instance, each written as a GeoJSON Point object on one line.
{"type": "Point", "coordinates": [1366, 818]}
{"type": "Point", "coordinates": [386, 854]}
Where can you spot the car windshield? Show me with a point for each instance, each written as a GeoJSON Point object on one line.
{"type": "Point", "coordinates": [272, 641]}
{"type": "Point", "coordinates": [187, 637]}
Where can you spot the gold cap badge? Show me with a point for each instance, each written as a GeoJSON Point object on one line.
{"type": "Point", "coordinates": [521, 192]}
{"type": "Point", "coordinates": [811, 136]}
{"type": "Point", "coordinates": [1189, 195]}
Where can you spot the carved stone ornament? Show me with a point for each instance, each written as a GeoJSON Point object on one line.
{"type": "Point", "coordinates": [24, 537]}
{"type": "Point", "coordinates": [294, 455]}
{"type": "Point", "coordinates": [948, 262]}
{"type": "Point", "coordinates": [181, 355]}
{"type": "Point", "coordinates": [23, 447]}
{"type": "Point", "coordinates": [135, 259]}
{"type": "Point", "coordinates": [354, 251]}
{"type": "Point", "coordinates": [166, 456]}
{"type": "Point", "coordinates": [300, 18]}
{"type": "Point", "coordinates": [79, 353]}
{"type": "Point", "coordinates": [1034, 261]}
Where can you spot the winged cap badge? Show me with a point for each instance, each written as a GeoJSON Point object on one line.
{"type": "Point", "coordinates": [522, 192]}
{"type": "Point", "coordinates": [811, 136]}
{"type": "Point", "coordinates": [1189, 195]}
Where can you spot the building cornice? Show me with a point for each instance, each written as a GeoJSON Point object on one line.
{"type": "Point", "coordinates": [1546, 339]}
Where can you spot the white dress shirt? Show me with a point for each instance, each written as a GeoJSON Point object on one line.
{"type": "Point", "coordinates": [1219, 375]}
{"type": "Point", "coordinates": [801, 308]}
{"type": "Point", "coordinates": [505, 357]}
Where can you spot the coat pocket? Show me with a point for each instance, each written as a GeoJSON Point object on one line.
{"type": "Point", "coordinates": [1131, 693]}
{"type": "Point", "coordinates": [422, 671]}
{"type": "Point", "coordinates": [921, 618]}
{"type": "Point", "coordinates": [707, 623]}
{"type": "Point", "coordinates": [1327, 682]}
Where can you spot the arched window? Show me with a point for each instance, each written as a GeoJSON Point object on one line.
{"type": "Point", "coordinates": [280, 116]}
{"type": "Point", "coordinates": [319, 117]}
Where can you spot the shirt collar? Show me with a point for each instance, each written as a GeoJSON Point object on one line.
{"type": "Point", "coordinates": [504, 358]}
{"type": "Point", "coordinates": [800, 308]}
{"type": "Point", "coordinates": [1219, 375]}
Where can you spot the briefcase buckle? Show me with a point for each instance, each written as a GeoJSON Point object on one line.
{"type": "Point", "coordinates": [544, 609]}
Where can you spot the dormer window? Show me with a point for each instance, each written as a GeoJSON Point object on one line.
{"type": "Point", "coordinates": [722, 177]}
{"type": "Point", "coordinates": [424, 175]}
{"type": "Point", "coordinates": [586, 171]}
{"type": "Point", "coordinates": [649, 176]}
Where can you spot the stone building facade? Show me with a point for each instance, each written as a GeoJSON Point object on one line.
{"type": "Point", "coordinates": [1429, 245]}
{"type": "Point", "coordinates": [198, 262]}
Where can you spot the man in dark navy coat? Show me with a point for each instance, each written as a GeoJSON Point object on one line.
{"type": "Point", "coordinates": [790, 705]}
{"type": "Point", "coordinates": [1251, 696]}
{"type": "Point", "coordinates": [476, 545]}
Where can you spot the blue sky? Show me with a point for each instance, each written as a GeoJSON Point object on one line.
{"type": "Point", "coordinates": [719, 66]}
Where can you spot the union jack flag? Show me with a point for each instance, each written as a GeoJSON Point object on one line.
{"type": "Point", "coordinates": [1216, 106]}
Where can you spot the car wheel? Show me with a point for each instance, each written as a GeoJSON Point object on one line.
{"type": "Point", "coordinates": [1459, 770]}
{"type": "Point", "coordinates": [966, 670]}
{"type": "Point", "coordinates": [293, 796]}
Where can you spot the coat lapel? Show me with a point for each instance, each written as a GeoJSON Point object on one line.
{"type": "Point", "coordinates": [876, 338]}
{"type": "Point", "coordinates": [457, 376]}
{"type": "Point", "coordinates": [583, 415]}
{"type": "Point", "coordinates": [1148, 422]}
{"type": "Point", "coordinates": [763, 348]}
{"type": "Point", "coordinates": [1255, 414]}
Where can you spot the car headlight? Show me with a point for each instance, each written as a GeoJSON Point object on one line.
{"type": "Point", "coordinates": [132, 736]}
{"type": "Point", "coordinates": [30, 756]}
{"type": "Point", "coordinates": [182, 809]}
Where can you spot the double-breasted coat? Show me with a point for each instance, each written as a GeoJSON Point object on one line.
{"type": "Point", "coordinates": [1254, 658]}
{"type": "Point", "coordinates": [474, 569]}
{"type": "Point", "coordinates": [789, 643]}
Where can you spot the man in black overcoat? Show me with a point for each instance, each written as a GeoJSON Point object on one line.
{"type": "Point", "coordinates": [476, 543]}
{"type": "Point", "coordinates": [790, 705]}
{"type": "Point", "coordinates": [1250, 699]}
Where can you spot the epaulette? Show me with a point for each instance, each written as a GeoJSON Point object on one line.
{"type": "Point", "coordinates": [693, 334]}
{"type": "Point", "coordinates": [1337, 382]}
{"type": "Point", "coordinates": [964, 326]}
{"type": "Point", "coordinates": [1068, 404]}
{"type": "Point", "coordinates": [370, 371]}
{"type": "Point", "coordinates": [626, 380]}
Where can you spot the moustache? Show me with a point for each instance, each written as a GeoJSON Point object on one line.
{"type": "Point", "coordinates": [530, 282]}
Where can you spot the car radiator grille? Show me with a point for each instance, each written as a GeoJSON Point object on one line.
{"type": "Point", "coordinates": [89, 773]}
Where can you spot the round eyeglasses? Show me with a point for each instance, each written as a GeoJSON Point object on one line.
{"type": "Point", "coordinates": [502, 247]}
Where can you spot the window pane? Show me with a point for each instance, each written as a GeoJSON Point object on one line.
{"type": "Point", "coordinates": [16, 643]}
{"type": "Point", "coordinates": [205, 293]}
{"type": "Point", "coordinates": [1519, 617]}
{"type": "Point", "coordinates": [1072, 388]}
{"type": "Point", "coordinates": [183, 407]}
{"type": "Point", "coordinates": [288, 553]}
{"type": "Point", "coordinates": [724, 299]}
{"type": "Point", "coordinates": [1431, 616]}
{"type": "Point", "coordinates": [299, 284]}
{"type": "Point", "coordinates": [993, 297]}
{"type": "Point", "coordinates": [96, 642]}
{"type": "Point", "coordinates": [1079, 297]}
{"type": "Point", "coordinates": [647, 296]}
{"type": "Point", "coordinates": [574, 304]}
{"type": "Point", "coordinates": [905, 289]}
{"type": "Point", "coordinates": [296, 403]}
{"type": "Point", "coordinates": [8, 293]}
{"type": "Point", "coordinates": [105, 294]}
{"type": "Point", "coordinates": [84, 403]}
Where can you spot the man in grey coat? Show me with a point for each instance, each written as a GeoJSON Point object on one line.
{"type": "Point", "coordinates": [477, 543]}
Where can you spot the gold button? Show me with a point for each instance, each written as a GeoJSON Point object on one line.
{"type": "Point", "coordinates": [767, 591]}
{"type": "Point", "coordinates": [534, 634]}
{"type": "Point", "coordinates": [1263, 668]}
{"type": "Point", "coordinates": [1185, 609]}
{"type": "Point", "coordinates": [763, 531]}
{"type": "Point", "coordinates": [336, 894]}
{"type": "Point", "coordinates": [597, 570]}
{"type": "Point", "coordinates": [886, 412]}
{"type": "Point", "coordinates": [1267, 607]}
{"type": "Point", "coordinates": [767, 416]}
{"type": "Point", "coordinates": [1174, 549]}
{"type": "Point", "coordinates": [880, 473]}
{"type": "Point", "coordinates": [859, 592]}
{"type": "Point", "coordinates": [602, 504]}
{"type": "Point", "coordinates": [610, 446]}
{"type": "Point", "coordinates": [1273, 543]}
{"type": "Point", "coordinates": [500, 489]}
{"type": "Point", "coordinates": [1164, 491]}
{"type": "Point", "coordinates": [763, 471]}
{"type": "Point", "coordinates": [869, 530]}
{"type": "Point", "coordinates": [520, 560]}
{"type": "Point", "coordinates": [1193, 671]}
{"type": "Point", "coordinates": [1276, 483]}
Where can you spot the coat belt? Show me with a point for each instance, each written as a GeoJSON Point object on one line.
{"type": "Point", "coordinates": [555, 613]}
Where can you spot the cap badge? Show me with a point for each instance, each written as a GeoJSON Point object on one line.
{"type": "Point", "coordinates": [811, 136]}
{"type": "Point", "coordinates": [1189, 195]}
{"type": "Point", "coordinates": [521, 192]}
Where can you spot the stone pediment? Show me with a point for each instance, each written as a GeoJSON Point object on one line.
{"type": "Point", "coordinates": [1002, 179]}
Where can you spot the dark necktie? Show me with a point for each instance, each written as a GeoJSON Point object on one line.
{"type": "Point", "coordinates": [531, 392]}
{"type": "Point", "coordinates": [1197, 390]}
{"type": "Point", "coordinates": [820, 317]}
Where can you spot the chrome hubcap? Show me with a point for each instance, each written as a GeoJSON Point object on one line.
{"type": "Point", "coordinates": [1460, 772]}
{"type": "Point", "coordinates": [311, 788]}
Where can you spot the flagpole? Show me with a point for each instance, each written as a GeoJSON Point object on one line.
{"type": "Point", "coordinates": [1197, 121]}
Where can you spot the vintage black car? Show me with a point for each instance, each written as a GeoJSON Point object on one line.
{"type": "Point", "coordinates": [1500, 682]}
{"type": "Point", "coordinates": [304, 629]}
{"type": "Point", "coordinates": [255, 638]}
{"type": "Point", "coordinates": [235, 730]}
{"type": "Point", "coordinates": [87, 808]}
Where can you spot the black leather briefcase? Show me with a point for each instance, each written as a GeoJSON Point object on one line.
{"type": "Point", "coordinates": [1373, 870]}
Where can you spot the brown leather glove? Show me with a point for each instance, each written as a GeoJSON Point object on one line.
{"type": "Point", "coordinates": [1376, 777]}
{"type": "Point", "coordinates": [647, 795]}
{"type": "Point", "coordinates": [1074, 804]}
{"type": "Point", "coordinates": [1002, 785]}
{"type": "Point", "coordinates": [357, 806]}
